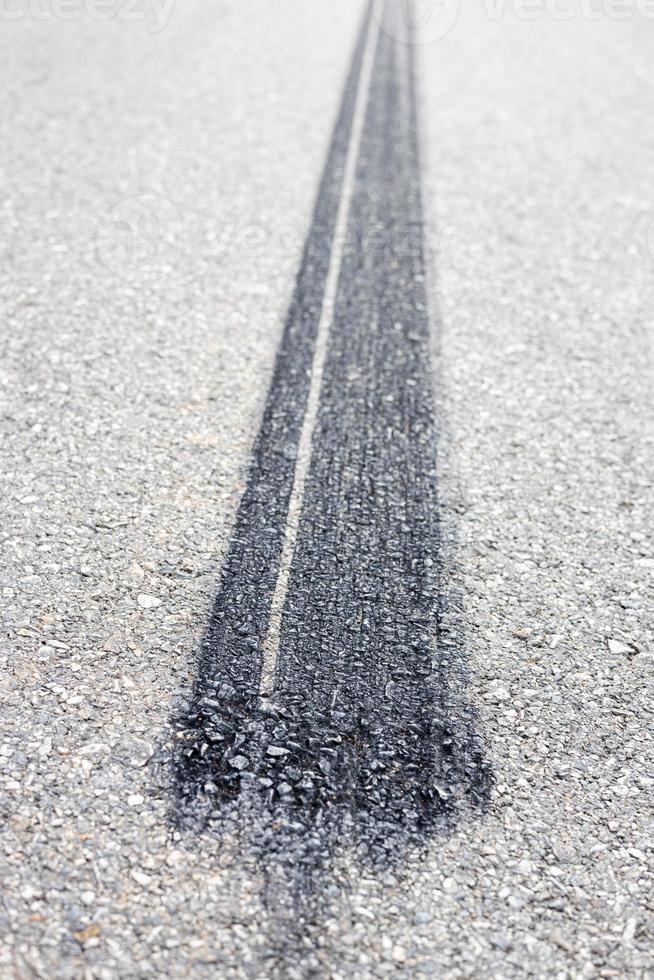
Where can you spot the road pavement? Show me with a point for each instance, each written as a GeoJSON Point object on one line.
{"type": "Point", "coordinates": [326, 377]}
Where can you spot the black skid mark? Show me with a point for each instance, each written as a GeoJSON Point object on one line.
{"type": "Point", "coordinates": [223, 715]}
{"type": "Point", "coordinates": [366, 741]}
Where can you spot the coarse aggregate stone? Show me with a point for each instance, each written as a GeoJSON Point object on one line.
{"type": "Point", "coordinates": [537, 170]}
{"type": "Point", "coordinates": [133, 384]}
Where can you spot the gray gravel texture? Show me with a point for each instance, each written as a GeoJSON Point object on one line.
{"type": "Point", "coordinates": [137, 343]}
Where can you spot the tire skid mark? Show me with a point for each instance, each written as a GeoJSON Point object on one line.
{"type": "Point", "coordinates": [362, 693]}
{"type": "Point", "coordinates": [363, 737]}
{"type": "Point", "coordinates": [305, 445]}
{"type": "Point", "coordinates": [229, 668]}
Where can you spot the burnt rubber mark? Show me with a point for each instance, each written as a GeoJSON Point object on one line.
{"type": "Point", "coordinates": [335, 715]}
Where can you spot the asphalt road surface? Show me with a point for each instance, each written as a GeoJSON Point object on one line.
{"type": "Point", "coordinates": [327, 468]}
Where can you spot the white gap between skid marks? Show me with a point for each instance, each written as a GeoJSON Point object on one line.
{"type": "Point", "coordinates": [271, 641]}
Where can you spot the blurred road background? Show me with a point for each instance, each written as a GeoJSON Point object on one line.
{"type": "Point", "coordinates": [158, 177]}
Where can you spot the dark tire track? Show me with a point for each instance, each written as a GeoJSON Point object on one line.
{"type": "Point", "coordinates": [362, 691]}
{"type": "Point", "coordinates": [363, 735]}
{"type": "Point", "coordinates": [225, 695]}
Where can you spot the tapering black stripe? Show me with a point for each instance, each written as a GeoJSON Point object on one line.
{"type": "Point", "coordinates": [360, 729]}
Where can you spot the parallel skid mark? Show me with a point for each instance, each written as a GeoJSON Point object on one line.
{"type": "Point", "coordinates": [359, 732]}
